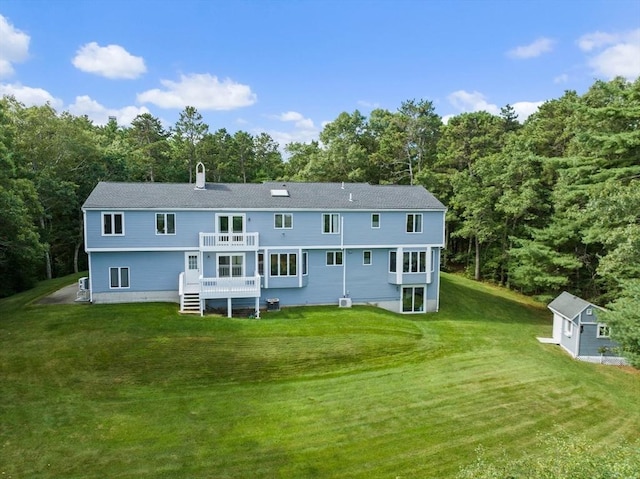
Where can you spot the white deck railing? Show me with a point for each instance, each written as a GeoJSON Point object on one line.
{"type": "Point", "coordinates": [238, 287]}
{"type": "Point", "coordinates": [229, 241]}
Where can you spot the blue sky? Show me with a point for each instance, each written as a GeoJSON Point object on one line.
{"type": "Point", "coordinates": [288, 67]}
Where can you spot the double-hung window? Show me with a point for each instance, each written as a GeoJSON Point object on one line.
{"type": "Point", "coordinates": [375, 220]}
{"type": "Point", "coordinates": [414, 222]}
{"type": "Point", "coordinates": [366, 258]}
{"type": "Point", "coordinates": [392, 261]}
{"type": "Point", "coordinates": [283, 221]}
{"type": "Point", "coordinates": [331, 223]}
{"type": "Point", "coordinates": [165, 223]}
{"type": "Point", "coordinates": [119, 277]}
{"type": "Point", "coordinates": [113, 224]}
{"type": "Point", "coordinates": [305, 263]}
{"type": "Point", "coordinates": [284, 264]}
{"type": "Point", "coordinates": [334, 258]}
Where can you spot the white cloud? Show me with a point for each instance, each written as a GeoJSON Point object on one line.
{"type": "Point", "coordinates": [15, 47]}
{"type": "Point", "coordinates": [563, 78]}
{"type": "Point", "coordinates": [111, 61]}
{"type": "Point", "coordinates": [476, 101]}
{"type": "Point", "coordinates": [300, 121]}
{"type": "Point", "coordinates": [594, 40]}
{"type": "Point", "coordinates": [368, 104]}
{"type": "Point", "coordinates": [202, 91]}
{"type": "Point", "coordinates": [299, 136]}
{"type": "Point", "coordinates": [524, 109]}
{"type": "Point", "coordinates": [535, 49]}
{"type": "Point", "coordinates": [30, 96]}
{"type": "Point", "coordinates": [469, 102]}
{"type": "Point", "coordinates": [99, 114]}
{"type": "Point", "coordinates": [613, 54]}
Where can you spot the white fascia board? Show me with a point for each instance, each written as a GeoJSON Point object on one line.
{"type": "Point", "coordinates": [271, 247]}
{"type": "Point", "coordinates": [562, 315]}
{"type": "Point", "coordinates": [420, 246]}
{"type": "Point", "coordinates": [141, 249]}
{"type": "Point", "coordinates": [274, 209]}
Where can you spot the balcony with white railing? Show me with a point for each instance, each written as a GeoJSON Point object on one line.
{"type": "Point", "coordinates": [228, 241]}
{"type": "Point", "coordinates": [235, 287]}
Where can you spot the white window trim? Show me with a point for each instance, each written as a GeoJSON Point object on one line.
{"type": "Point", "coordinates": [305, 263]}
{"type": "Point", "coordinates": [283, 227]}
{"type": "Point", "coordinates": [605, 327]}
{"type": "Point", "coordinates": [120, 268]}
{"type": "Point", "coordinates": [422, 265]}
{"type": "Point", "coordinates": [413, 296]}
{"type": "Point", "coordinates": [414, 223]}
{"type": "Point", "coordinates": [287, 275]}
{"type": "Point", "coordinates": [567, 328]}
{"type": "Point", "coordinates": [394, 263]}
{"type": "Point", "coordinates": [379, 221]}
{"type": "Point", "coordinates": [364, 263]}
{"type": "Point", "coordinates": [175, 227]}
{"type": "Point", "coordinates": [230, 216]}
{"type": "Point", "coordinates": [589, 312]}
{"type": "Point", "coordinates": [335, 255]}
{"type": "Point", "coordinates": [113, 223]}
{"type": "Point", "coordinates": [337, 232]}
{"type": "Point", "coordinates": [231, 255]}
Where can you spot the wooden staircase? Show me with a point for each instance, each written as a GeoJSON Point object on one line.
{"type": "Point", "coordinates": [190, 303]}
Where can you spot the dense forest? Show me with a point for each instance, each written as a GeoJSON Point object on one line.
{"type": "Point", "coordinates": [547, 205]}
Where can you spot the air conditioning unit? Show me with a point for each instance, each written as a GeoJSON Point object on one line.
{"type": "Point", "coordinates": [83, 284]}
{"type": "Point", "coordinates": [344, 302]}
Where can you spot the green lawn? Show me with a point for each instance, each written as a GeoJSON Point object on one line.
{"type": "Point", "coordinates": [108, 391]}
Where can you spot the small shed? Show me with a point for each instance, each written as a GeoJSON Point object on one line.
{"type": "Point", "coordinates": [577, 329]}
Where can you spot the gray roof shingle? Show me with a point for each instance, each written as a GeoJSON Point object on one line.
{"type": "Point", "coordinates": [258, 196]}
{"type": "Point", "coordinates": [569, 305]}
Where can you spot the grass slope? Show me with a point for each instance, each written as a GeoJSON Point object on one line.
{"type": "Point", "coordinates": [139, 391]}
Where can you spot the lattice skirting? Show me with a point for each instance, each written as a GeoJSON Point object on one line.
{"type": "Point", "coordinates": [609, 360]}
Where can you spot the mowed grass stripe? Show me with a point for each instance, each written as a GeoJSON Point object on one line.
{"type": "Point", "coordinates": [138, 391]}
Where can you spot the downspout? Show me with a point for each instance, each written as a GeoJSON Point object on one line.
{"type": "Point", "coordinates": [579, 334]}
{"type": "Point", "coordinates": [344, 258]}
{"type": "Point", "coordinates": [84, 232]}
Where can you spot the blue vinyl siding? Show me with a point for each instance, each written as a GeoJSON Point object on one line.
{"type": "Point", "coordinates": [590, 343]}
{"type": "Point", "coordinates": [158, 270]}
{"type": "Point", "coordinates": [589, 340]}
{"type": "Point", "coordinates": [148, 271]}
{"type": "Point", "coordinates": [570, 343]}
{"type": "Point", "coordinates": [140, 229]}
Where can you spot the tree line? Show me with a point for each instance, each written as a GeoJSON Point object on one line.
{"type": "Point", "coordinates": [542, 206]}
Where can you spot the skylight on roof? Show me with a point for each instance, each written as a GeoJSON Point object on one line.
{"type": "Point", "coordinates": [280, 193]}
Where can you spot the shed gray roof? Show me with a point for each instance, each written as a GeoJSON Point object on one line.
{"type": "Point", "coordinates": [258, 196]}
{"type": "Point", "coordinates": [569, 305]}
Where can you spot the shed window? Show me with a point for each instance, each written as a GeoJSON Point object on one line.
{"type": "Point", "coordinates": [568, 328]}
{"type": "Point", "coordinates": [604, 331]}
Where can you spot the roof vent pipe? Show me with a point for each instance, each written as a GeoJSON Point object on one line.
{"type": "Point", "coordinates": [342, 187]}
{"type": "Point", "coordinates": [350, 196]}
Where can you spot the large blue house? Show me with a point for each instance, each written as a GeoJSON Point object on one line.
{"type": "Point", "coordinates": [230, 246]}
